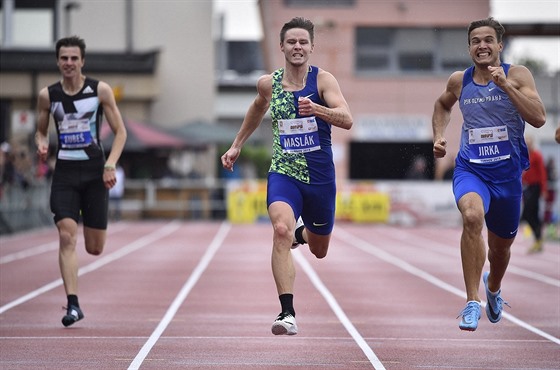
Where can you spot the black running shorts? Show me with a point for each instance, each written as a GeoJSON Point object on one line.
{"type": "Point", "coordinates": [77, 190]}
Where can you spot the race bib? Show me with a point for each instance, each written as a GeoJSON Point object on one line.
{"type": "Point", "coordinates": [74, 133]}
{"type": "Point", "coordinates": [299, 135]}
{"type": "Point", "coordinates": [489, 144]}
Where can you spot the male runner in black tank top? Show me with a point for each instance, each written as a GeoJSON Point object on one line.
{"type": "Point", "coordinates": [82, 176]}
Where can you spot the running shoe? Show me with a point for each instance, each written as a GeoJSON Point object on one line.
{"type": "Point", "coordinates": [73, 314]}
{"type": "Point", "coordinates": [470, 316]}
{"type": "Point", "coordinates": [285, 324]}
{"type": "Point", "coordinates": [494, 303]}
{"type": "Point", "coordinates": [537, 247]}
{"type": "Point", "coordinates": [295, 242]}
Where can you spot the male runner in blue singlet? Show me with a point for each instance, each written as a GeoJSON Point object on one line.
{"type": "Point", "coordinates": [496, 99]}
{"type": "Point", "coordinates": [305, 102]}
{"type": "Point", "coordinates": [82, 176]}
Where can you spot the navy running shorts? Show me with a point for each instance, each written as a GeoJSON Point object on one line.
{"type": "Point", "coordinates": [314, 203]}
{"type": "Point", "coordinates": [502, 201]}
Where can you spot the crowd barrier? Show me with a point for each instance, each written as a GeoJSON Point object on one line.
{"type": "Point", "coordinates": [24, 208]}
{"type": "Point", "coordinates": [405, 203]}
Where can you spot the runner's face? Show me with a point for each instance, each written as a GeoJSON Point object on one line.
{"type": "Point", "coordinates": [484, 47]}
{"type": "Point", "coordinates": [70, 61]}
{"type": "Point", "coordinates": [297, 46]}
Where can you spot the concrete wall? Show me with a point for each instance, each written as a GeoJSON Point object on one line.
{"type": "Point", "coordinates": [183, 87]}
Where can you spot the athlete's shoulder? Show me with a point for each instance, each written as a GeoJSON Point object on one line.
{"type": "Point", "coordinates": [53, 92]}
{"type": "Point", "coordinates": [457, 76]}
{"type": "Point", "coordinates": [264, 85]}
{"type": "Point", "coordinates": [519, 72]}
{"type": "Point", "coordinates": [56, 86]}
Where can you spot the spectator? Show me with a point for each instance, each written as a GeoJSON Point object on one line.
{"type": "Point", "coordinates": [534, 186]}
{"type": "Point", "coordinates": [549, 214]}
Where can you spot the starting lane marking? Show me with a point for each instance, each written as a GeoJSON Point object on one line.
{"type": "Point", "coordinates": [183, 293]}
{"type": "Point", "coordinates": [372, 357]}
{"type": "Point", "coordinates": [102, 261]}
{"type": "Point", "coordinates": [367, 247]}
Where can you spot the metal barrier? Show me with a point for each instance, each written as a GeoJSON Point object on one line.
{"type": "Point", "coordinates": [174, 198]}
{"type": "Point", "coordinates": [24, 208]}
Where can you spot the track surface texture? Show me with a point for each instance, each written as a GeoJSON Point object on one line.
{"type": "Point", "coordinates": [200, 295]}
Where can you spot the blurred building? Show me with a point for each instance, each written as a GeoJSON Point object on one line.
{"type": "Point", "coordinates": [158, 55]}
{"type": "Point", "coordinates": [392, 60]}
{"type": "Point", "coordinates": [170, 67]}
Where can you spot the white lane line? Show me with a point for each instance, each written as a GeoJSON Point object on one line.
{"type": "Point", "coordinates": [367, 247]}
{"type": "Point", "coordinates": [372, 357]}
{"type": "Point", "coordinates": [533, 275]}
{"type": "Point", "coordinates": [43, 248]}
{"type": "Point", "coordinates": [129, 248]}
{"type": "Point", "coordinates": [183, 293]}
{"type": "Point", "coordinates": [29, 252]}
{"type": "Point", "coordinates": [441, 248]}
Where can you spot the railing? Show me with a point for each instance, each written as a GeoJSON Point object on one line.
{"type": "Point", "coordinates": [174, 198]}
{"type": "Point", "coordinates": [399, 202]}
{"type": "Point", "coordinates": [24, 208]}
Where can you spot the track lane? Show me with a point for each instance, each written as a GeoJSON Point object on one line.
{"type": "Point", "coordinates": [225, 320]}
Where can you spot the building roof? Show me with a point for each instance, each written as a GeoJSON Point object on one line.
{"type": "Point", "coordinates": [532, 29]}
{"type": "Point", "coordinates": [98, 62]}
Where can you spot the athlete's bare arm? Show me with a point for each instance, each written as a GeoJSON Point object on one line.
{"type": "Point", "coordinates": [442, 112]}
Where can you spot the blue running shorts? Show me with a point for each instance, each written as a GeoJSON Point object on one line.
{"type": "Point", "coordinates": [502, 201]}
{"type": "Point", "coordinates": [314, 203]}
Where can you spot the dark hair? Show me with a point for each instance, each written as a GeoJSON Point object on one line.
{"type": "Point", "coordinates": [488, 22]}
{"type": "Point", "coordinates": [71, 41]}
{"type": "Point", "coordinates": [297, 22]}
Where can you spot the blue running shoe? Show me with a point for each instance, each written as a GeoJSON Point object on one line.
{"type": "Point", "coordinates": [494, 303]}
{"type": "Point", "coordinates": [471, 315]}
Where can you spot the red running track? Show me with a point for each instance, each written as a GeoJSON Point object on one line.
{"type": "Point", "coordinates": [197, 295]}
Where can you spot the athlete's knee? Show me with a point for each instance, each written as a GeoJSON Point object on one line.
{"type": "Point", "coordinates": [319, 244]}
{"type": "Point", "coordinates": [67, 233]}
{"type": "Point", "coordinates": [499, 247]}
{"type": "Point", "coordinates": [319, 252]}
{"type": "Point", "coordinates": [67, 239]}
{"type": "Point", "coordinates": [473, 219]}
{"type": "Point", "coordinates": [95, 248]}
{"type": "Point", "coordinates": [282, 230]}
{"type": "Point", "coordinates": [94, 241]}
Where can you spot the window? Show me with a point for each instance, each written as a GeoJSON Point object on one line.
{"type": "Point", "coordinates": [388, 161]}
{"type": "Point", "coordinates": [454, 50]}
{"type": "Point", "coordinates": [414, 49]}
{"type": "Point", "coordinates": [410, 50]}
{"type": "Point", "coordinates": [32, 23]}
{"type": "Point", "coordinates": [244, 56]}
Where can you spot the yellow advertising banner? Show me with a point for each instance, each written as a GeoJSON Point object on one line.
{"type": "Point", "coordinates": [246, 203]}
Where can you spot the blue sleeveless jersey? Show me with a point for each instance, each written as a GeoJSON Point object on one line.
{"type": "Point", "coordinates": [312, 167]}
{"type": "Point", "coordinates": [492, 142]}
{"type": "Point", "coordinates": [78, 121]}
